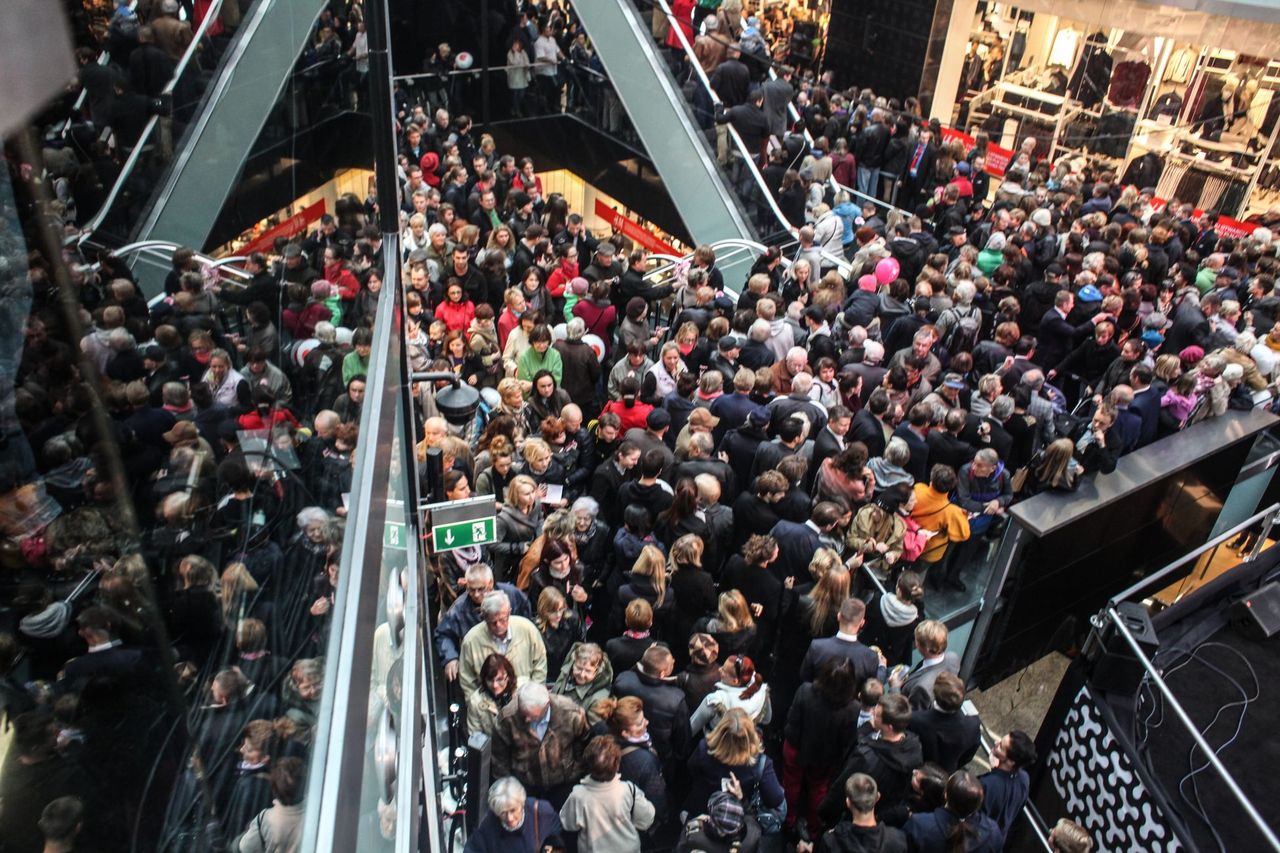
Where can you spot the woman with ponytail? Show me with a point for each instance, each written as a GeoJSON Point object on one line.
{"type": "Point", "coordinates": [740, 686]}
{"type": "Point", "coordinates": [625, 721]}
{"type": "Point", "coordinates": [960, 826]}
{"type": "Point", "coordinates": [892, 618]}
{"type": "Point", "coordinates": [628, 407]}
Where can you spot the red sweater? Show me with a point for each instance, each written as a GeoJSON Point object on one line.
{"type": "Point", "coordinates": [456, 315]}
{"type": "Point", "coordinates": [636, 416]}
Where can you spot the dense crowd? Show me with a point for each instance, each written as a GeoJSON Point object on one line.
{"type": "Point", "coordinates": [728, 511]}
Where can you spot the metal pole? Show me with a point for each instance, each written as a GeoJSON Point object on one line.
{"type": "Point", "coordinates": [435, 474]}
{"type": "Point", "coordinates": [384, 141]}
{"type": "Point", "coordinates": [1195, 733]}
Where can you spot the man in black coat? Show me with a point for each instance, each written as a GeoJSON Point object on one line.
{"type": "Point", "coordinates": [731, 80]}
{"type": "Point", "coordinates": [664, 702]}
{"type": "Point", "coordinates": [751, 123]}
{"type": "Point", "coordinates": [869, 424]}
{"type": "Point", "coordinates": [889, 759]}
{"type": "Point", "coordinates": [1056, 336]}
{"type": "Point", "coordinates": [844, 644]}
{"type": "Point", "coordinates": [790, 435]}
{"type": "Point", "coordinates": [106, 657]}
{"type": "Point", "coordinates": [1190, 324]}
{"type": "Point", "coordinates": [917, 175]}
{"type": "Point", "coordinates": [740, 445]}
{"type": "Point", "coordinates": [946, 447]}
{"type": "Point", "coordinates": [913, 432]}
{"type": "Point", "coordinates": [797, 543]}
{"type": "Point", "coordinates": [948, 736]}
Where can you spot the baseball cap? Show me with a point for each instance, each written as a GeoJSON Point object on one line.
{"type": "Point", "coordinates": [1089, 293]}
{"type": "Point", "coordinates": [962, 168]}
{"type": "Point", "coordinates": [729, 342]}
{"type": "Point", "coordinates": [759, 416]}
{"type": "Point", "coordinates": [658, 419]}
{"type": "Point", "coordinates": [1152, 338]}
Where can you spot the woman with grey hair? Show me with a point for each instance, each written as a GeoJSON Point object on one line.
{"type": "Point", "coordinates": [891, 468]}
{"type": "Point", "coordinates": [515, 821]}
{"type": "Point", "coordinates": [592, 538]}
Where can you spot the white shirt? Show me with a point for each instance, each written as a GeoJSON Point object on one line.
{"type": "Point", "coordinates": [545, 54]}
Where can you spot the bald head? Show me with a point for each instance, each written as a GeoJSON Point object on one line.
{"type": "Point", "coordinates": [326, 422]}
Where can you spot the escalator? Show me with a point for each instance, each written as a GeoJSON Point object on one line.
{"type": "Point", "coordinates": [677, 146]}
{"type": "Point", "coordinates": [234, 113]}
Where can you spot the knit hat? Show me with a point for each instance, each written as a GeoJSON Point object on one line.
{"type": "Point", "coordinates": [1042, 217]}
{"type": "Point", "coordinates": [729, 342]}
{"type": "Point", "coordinates": [1191, 355]}
{"type": "Point", "coordinates": [868, 283]}
{"type": "Point", "coordinates": [726, 813]}
{"type": "Point", "coordinates": [578, 286]}
{"type": "Point", "coordinates": [759, 416]}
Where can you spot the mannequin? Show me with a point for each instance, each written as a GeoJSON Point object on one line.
{"type": "Point", "coordinates": [1213, 115]}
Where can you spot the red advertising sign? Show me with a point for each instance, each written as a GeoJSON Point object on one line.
{"type": "Point", "coordinates": [295, 224]}
{"type": "Point", "coordinates": [619, 222]}
{"type": "Point", "coordinates": [1226, 227]}
{"type": "Point", "coordinates": [998, 158]}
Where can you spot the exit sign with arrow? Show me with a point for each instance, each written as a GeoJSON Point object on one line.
{"type": "Point", "coordinates": [461, 524]}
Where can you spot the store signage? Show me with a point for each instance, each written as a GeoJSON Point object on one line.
{"type": "Point", "coordinates": [295, 224]}
{"type": "Point", "coordinates": [619, 222]}
{"type": "Point", "coordinates": [998, 159]}
{"type": "Point", "coordinates": [1226, 227]}
{"type": "Point", "coordinates": [461, 524]}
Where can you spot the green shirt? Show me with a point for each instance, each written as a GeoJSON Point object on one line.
{"type": "Point", "coordinates": [353, 365]}
{"type": "Point", "coordinates": [531, 362]}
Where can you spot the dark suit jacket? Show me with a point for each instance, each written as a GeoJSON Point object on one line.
{"type": "Point", "coordinates": [1057, 338]}
{"type": "Point", "coordinates": [1129, 424]}
{"type": "Point", "coordinates": [948, 449]}
{"type": "Point", "coordinates": [918, 466]}
{"type": "Point", "coordinates": [825, 445]}
{"type": "Point", "coordinates": [865, 662]}
{"type": "Point", "coordinates": [115, 662]}
{"type": "Point", "coordinates": [948, 739]}
{"type": "Point", "coordinates": [868, 429]}
{"type": "Point", "coordinates": [797, 544]}
{"type": "Point", "coordinates": [918, 687]}
{"type": "Point", "coordinates": [1189, 326]}
{"type": "Point", "coordinates": [1146, 405]}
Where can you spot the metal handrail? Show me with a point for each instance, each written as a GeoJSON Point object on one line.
{"type": "Point", "coordinates": [831, 179]}
{"type": "Point", "coordinates": [1268, 516]}
{"type": "Point", "coordinates": [126, 171]}
{"type": "Point", "coordinates": [1028, 810]}
{"type": "Point", "coordinates": [743, 151]}
{"type": "Point", "coordinates": [161, 247]}
{"type": "Point", "coordinates": [103, 58]}
{"type": "Point", "coordinates": [1210, 754]}
{"type": "Point", "coordinates": [462, 72]}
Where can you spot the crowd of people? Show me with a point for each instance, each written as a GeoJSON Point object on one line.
{"type": "Point", "coordinates": [727, 510]}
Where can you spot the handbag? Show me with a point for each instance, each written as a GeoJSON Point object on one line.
{"type": "Point", "coordinates": [770, 820]}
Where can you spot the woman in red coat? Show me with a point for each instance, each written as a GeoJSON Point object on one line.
{"type": "Point", "coordinates": [682, 11]}
{"type": "Point", "coordinates": [456, 311]}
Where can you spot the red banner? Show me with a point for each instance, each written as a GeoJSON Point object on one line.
{"type": "Point", "coordinates": [1226, 227]}
{"type": "Point", "coordinates": [619, 222]}
{"type": "Point", "coordinates": [998, 158]}
{"type": "Point", "coordinates": [296, 224]}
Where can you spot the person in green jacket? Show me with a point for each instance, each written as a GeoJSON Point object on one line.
{"type": "Point", "coordinates": [993, 255]}
{"type": "Point", "coordinates": [539, 356]}
{"type": "Point", "coordinates": [356, 362]}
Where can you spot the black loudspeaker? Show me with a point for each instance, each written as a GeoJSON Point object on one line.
{"type": "Point", "coordinates": [1117, 670]}
{"type": "Point", "coordinates": [1257, 616]}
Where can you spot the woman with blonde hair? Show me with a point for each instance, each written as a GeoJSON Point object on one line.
{"type": "Point", "coordinates": [238, 593]}
{"type": "Point", "coordinates": [692, 587]}
{"type": "Point", "coordinates": [647, 579]}
{"type": "Point", "coordinates": [817, 608]}
{"type": "Point", "coordinates": [559, 627]}
{"type": "Point", "coordinates": [733, 752]}
{"type": "Point", "coordinates": [1055, 469]}
{"type": "Point", "coordinates": [517, 525]}
{"type": "Point", "coordinates": [733, 627]}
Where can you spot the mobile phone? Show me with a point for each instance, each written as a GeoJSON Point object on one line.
{"type": "Point", "coordinates": [724, 785]}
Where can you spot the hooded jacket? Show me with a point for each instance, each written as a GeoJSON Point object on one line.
{"type": "Point", "coordinates": [725, 697]}
{"type": "Point", "coordinates": [585, 695]}
{"type": "Point", "coordinates": [847, 838]}
{"type": "Point", "coordinates": [889, 763]}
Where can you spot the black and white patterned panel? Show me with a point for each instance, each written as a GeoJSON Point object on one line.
{"type": "Point", "coordinates": [1102, 792]}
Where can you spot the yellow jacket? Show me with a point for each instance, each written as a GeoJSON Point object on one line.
{"type": "Point", "coordinates": [935, 511]}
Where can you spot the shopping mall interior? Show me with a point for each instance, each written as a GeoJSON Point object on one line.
{"type": "Point", "coordinates": [639, 425]}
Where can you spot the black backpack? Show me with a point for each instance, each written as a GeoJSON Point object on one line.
{"type": "Point", "coordinates": [962, 335]}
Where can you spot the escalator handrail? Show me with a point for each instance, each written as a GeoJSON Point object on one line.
{"type": "Point", "coordinates": [743, 151]}
{"type": "Point", "coordinates": [831, 179]}
{"type": "Point", "coordinates": [215, 7]}
{"type": "Point", "coordinates": [103, 58]}
{"type": "Point", "coordinates": [165, 248]}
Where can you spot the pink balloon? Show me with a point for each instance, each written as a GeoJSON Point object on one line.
{"type": "Point", "coordinates": [887, 270]}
